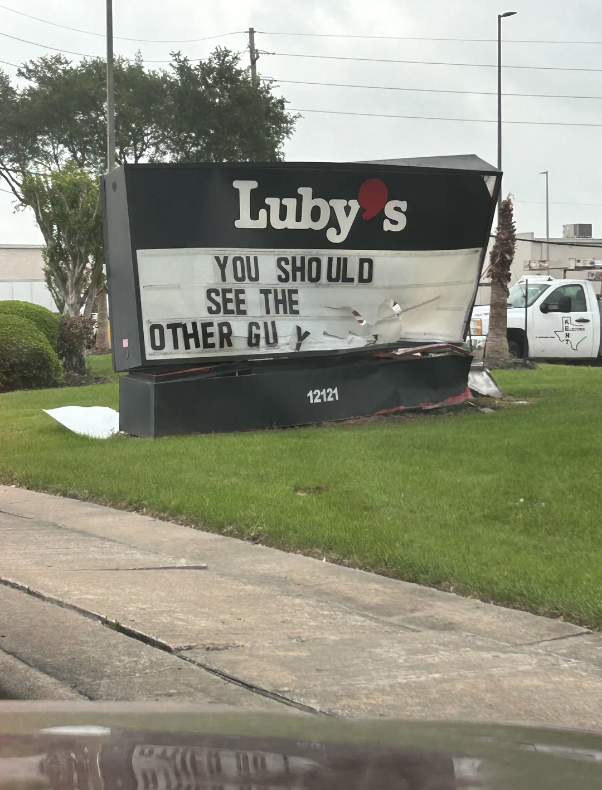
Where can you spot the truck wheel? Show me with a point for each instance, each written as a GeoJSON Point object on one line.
{"type": "Point", "coordinates": [514, 349]}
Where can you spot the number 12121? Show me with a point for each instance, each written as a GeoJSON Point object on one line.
{"type": "Point", "coordinates": [323, 396]}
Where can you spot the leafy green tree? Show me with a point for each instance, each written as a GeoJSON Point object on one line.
{"type": "Point", "coordinates": [211, 111]}
{"type": "Point", "coordinates": [60, 115]}
{"type": "Point", "coordinates": [67, 209]}
{"type": "Point", "coordinates": [53, 142]}
{"type": "Point", "coordinates": [217, 113]}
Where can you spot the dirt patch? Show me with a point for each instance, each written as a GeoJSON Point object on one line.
{"type": "Point", "coordinates": [308, 491]}
{"type": "Point", "coordinates": [87, 379]}
{"type": "Point", "coordinates": [404, 415]}
{"type": "Point", "coordinates": [512, 363]}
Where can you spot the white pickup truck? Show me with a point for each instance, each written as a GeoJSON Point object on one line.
{"type": "Point", "coordinates": [547, 319]}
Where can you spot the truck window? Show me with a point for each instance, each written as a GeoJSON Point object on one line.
{"type": "Point", "coordinates": [516, 295]}
{"type": "Point", "coordinates": [574, 292]}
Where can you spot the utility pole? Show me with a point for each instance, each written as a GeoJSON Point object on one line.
{"type": "Point", "coordinates": [253, 53]}
{"type": "Point", "coordinates": [499, 99]}
{"type": "Point", "coordinates": [546, 174]}
{"type": "Point", "coordinates": [102, 333]}
{"type": "Point", "coordinates": [110, 91]}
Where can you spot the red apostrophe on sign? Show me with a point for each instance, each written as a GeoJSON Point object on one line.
{"type": "Point", "coordinates": [372, 196]}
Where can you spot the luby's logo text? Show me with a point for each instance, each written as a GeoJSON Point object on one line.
{"type": "Point", "coordinates": [307, 212]}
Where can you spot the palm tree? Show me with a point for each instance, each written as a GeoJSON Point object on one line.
{"type": "Point", "coordinates": [102, 333]}
{"type": "Point", "coordinates": [500, 261]}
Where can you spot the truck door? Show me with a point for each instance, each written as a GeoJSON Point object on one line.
{"type": "Point", "coordinates": [563, 325]}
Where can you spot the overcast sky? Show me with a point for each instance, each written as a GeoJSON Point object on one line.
{"type": "Point", "coordinates": [571, 154]}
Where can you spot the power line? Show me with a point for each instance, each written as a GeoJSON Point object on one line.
{"type": "Point", "coordinates": [427, 62]}
{"type": "Point", "coordinates": [567, 243]}
{"type": "Point", "coordinates": [80, 54]}
{"type": "Point", "coordinates": [556, 203]}
{"type": "Point", "coordinates": [424, 38]}
{"type": "Point", "coordinates": [273, 33]}
{"type": "Point", "coordinates": [438, 118]}
{"type": "Point", "coordinates": [6, 63]}
{"type": "Point", "coordinates": [122, 38]}
{"type": "Point", "coordinates": [47, 46]}
{"type": "Point", "coordinates": [430, 90]}
{"type": "Point", "coordinates": [326, 57]}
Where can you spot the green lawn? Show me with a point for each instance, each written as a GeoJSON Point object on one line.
{"type": "Point", "coordinates": [102, 365]}
{"type": "Point", "coordinates": [503, 505]}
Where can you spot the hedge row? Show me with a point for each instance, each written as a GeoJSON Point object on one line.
{"type": "Point", "coordinates": [43, 319]}
{"type": "Point", "coordinates": [37, 345]}
{"type": "Point", "coordinates": [27, 360]}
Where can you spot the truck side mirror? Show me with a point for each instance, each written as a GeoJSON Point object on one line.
{"type": "Point", "coordinates": [545, 308]}
{"type": "Point", "coordinates": [564, 304]}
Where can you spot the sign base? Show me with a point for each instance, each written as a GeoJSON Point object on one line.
{"type": "Point", "coordinates": [286, 393]}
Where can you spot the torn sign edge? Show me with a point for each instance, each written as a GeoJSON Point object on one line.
{"type": "Point", "coordinates": [231, 367]}
{"type": "Point", "coordinates": [243, 399]}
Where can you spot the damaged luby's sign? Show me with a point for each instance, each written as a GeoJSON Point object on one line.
{"type": "Point", "coordinates": [210, 263]}
{"type": "Point", "coordinates": [225, 302]}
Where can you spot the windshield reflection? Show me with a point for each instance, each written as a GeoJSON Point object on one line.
{"type": "Point", "coordinates": [516, 295]}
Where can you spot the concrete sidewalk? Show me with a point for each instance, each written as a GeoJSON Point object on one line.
{"type": "Point", "coordinates": [206, 618]}
{"type": "Point", "coordinates": [18, 681]}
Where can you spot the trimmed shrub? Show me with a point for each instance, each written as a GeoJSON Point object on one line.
{"type": "Point", "coordinates": [26, 359]}
{"type": "Point", "coordinates": [76, 336]}
{"type": "Point", "coordinates": [42, 318]}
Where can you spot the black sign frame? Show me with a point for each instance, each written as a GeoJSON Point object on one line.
{"type": "Point", "coordinates": [141, 203]}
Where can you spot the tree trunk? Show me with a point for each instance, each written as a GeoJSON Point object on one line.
{"type": "Point", "coordinates": [496, 349]}
{"type": "Point", "coordinates": [73, 297]}
{"type": "Point", "coordinates": [102, 332]}
{"type": "Point", "coordinates": [90, 299]}
{"type": "Point", "coordinates": [75, 362]}
{"type": "Point", "coordinates": [72, 304]}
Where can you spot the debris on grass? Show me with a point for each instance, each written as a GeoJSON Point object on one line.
{"type": "Point", "coordinates": [71, 379]}
{"type": "Point", "coordinates": [98, 422]}
{"type": "Point", "coordinates": [308, 491]}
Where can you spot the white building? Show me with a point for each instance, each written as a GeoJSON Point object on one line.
{"type": "Point", "coordinates": [573, 256]}
{"type": "Point", "coordinates": [22, 275]}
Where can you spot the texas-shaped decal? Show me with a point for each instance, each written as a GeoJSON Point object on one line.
{"type": "Point", "coordinates": [571, 334]}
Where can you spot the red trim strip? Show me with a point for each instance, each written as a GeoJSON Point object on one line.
{"type": "Point", "coordinates": [188, 370]}
{"type": "Point", "coordinates": [448, 401]}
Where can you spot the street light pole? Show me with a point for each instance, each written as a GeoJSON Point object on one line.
{"type": "Point", "coordinates": [545, 173]}
{"type": "Point", "coordinates": [110, 91]}
{"type": "Point", "coordinates": [499, 98]}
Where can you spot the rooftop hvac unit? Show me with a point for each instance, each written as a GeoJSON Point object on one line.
{"type": "Point", "coordinates": [577, 231]}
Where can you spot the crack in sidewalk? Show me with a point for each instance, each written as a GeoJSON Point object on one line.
{"type": "Point", "coordinates": [16, 515]}
{"type": "Point", "coordinates": [28, 664]}
{"type": "Point", "coordinates": [554, 639]}
{"type": "Point", "coordinates": [201, 567]}
{"type": "Point", "coordinates": [55, 524]}
{"type": "Point", "coordinates": [159, 644]}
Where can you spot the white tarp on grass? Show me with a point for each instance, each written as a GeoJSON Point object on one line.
{"type": "Point", "coordinates": [99, 422]}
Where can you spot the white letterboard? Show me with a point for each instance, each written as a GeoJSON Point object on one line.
{"type": "Point", "coordinates": [232, 302]}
